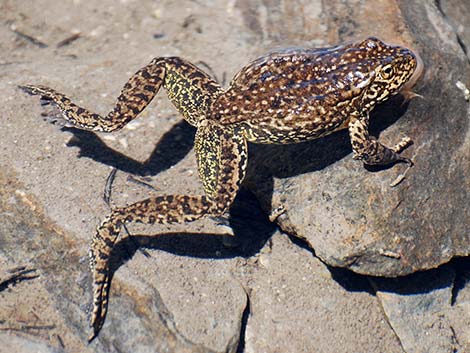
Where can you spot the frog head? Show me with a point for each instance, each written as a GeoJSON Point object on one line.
{"type": "Point", "coordinates": [392, 69]}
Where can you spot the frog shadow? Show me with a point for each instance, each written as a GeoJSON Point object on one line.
{"type": "Point", "coordinates": [172, 147]}
{"type": "Point", "coordinates": [250, 224]}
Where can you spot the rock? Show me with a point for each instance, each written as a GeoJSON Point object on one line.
{"type": "Point", "coordinates": [423, 312]}
{"type": "Point", "coordinates": [349, 214]}
{"type": "Point", "coordinates": [20, 344]}
{"type": "Point", "coordinates": [297, 305]}
{"type": "Point", "coordinates": [457, 13]}
{"type": "Point", "coordinates": [53, 307]}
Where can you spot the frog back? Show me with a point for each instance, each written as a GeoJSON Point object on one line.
{"type": "Point", "coordinates": [304, 93]}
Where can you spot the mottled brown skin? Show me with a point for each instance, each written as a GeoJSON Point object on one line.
{"type": "Point", "coordinates": [285, 97]}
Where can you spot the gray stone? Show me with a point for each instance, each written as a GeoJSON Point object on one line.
{"type": "Point", "coordinates": [18, 344]}
{"type": "Point", "coordinates": [420, 310]}
{"type": "Point", "coordinates": [457, 13]}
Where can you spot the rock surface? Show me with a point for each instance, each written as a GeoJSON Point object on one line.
{"type": "Point", "coordinates": [295, 306]}
{"type": "Point", "coordinates": [427, 304]}
{"type": "Point", "coordinates": [193, 289]}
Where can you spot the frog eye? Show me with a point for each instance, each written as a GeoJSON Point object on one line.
{"type": "Point", "coordinates": [387, 71]}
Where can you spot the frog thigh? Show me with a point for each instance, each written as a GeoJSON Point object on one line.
{"type": "Point", "coordinates": [222, 155]}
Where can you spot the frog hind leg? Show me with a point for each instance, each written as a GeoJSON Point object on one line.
{"type": "Point", "coordinates": [367, 149]}
{"type": "Point", "coordinates": [222, 158]}
{"type": "Point", "coordinates": [189, 88]}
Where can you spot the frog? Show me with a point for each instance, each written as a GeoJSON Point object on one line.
{"type": "Point", "coordinates": [287, 96]}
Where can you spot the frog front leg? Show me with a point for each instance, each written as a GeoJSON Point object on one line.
{"type": "Point", "coordinates": [367, 149]}
{"type": "Point", "coordinates": [222, 157]}
{"type": "Point", "coordinates": [190, 89]}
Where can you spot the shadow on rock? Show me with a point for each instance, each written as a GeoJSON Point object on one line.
{"type": "Point", "coordinates": [417, 283]}
{"type": "Point", "coordinates": [172, 148]}
{"type": "Point", "coordinates": [351, 281]}
{"type": "Point", "coordinates": [455, 275]}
